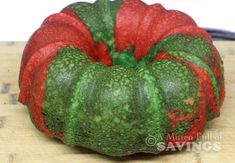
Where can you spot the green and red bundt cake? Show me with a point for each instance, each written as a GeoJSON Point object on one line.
{"type": "Point", "coordinates": [107, 75]}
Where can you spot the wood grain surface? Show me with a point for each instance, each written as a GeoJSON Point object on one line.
{"type": "Point", "coordinates": [21, 142]}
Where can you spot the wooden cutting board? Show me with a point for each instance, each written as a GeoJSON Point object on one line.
{"type": "Point", "coordinates": [21, 142]}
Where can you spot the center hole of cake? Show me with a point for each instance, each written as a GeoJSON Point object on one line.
{"type": "Point", "coordinates": [111, 57]}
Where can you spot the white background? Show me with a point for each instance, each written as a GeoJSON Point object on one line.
{"type": "Point", "coordinates": [19, 18]}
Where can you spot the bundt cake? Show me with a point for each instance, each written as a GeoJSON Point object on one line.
{"type": "Point", "coordinates": [121, 77]}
